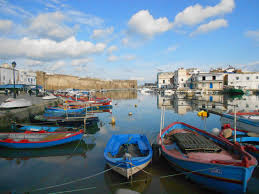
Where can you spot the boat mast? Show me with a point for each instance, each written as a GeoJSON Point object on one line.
{"type": "Point", "coordinates": [235, 124]}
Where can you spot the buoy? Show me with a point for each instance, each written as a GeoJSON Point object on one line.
{"type": "Point", "coordinates": [130, 113]}
{"type": "Point", "coordinates": [113, 121]}
{"type": "Point", "coordinates": [215, 131]}
{"type": "Point", "coordinates": [136, 105]}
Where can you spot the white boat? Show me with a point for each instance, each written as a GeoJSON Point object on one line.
{"type": "Point", "coordinates": [15, 103]}
{"type": "Point", "coordinates": [49, 97]}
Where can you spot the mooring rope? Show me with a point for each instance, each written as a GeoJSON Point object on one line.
{"type": "Point", "coordinates": [122, 183]}
{"type": "Point", "coordinates": [77, 180]}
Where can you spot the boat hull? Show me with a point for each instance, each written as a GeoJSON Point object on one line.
{"type": "Point", "coordinates": [128, 172]}
{"type": "Point", "coordinates": [222, 175]}
{"type": "Point", "coordinates": [31, 145]}
{"type": "Point", "coordinates": [222, 178]}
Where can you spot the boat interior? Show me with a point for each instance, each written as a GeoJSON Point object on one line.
{"type": "Point", "coordinates": [191, 145]}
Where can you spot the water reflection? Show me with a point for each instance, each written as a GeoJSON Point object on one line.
{"type": "Point", "coordinates": [182, 103]}
{"type": "Point", "coordinates": [77, 148]}
{"type": "Point", "coordinates": [118, 95]}
{"type": "Point", "coordinates": [119, 184]}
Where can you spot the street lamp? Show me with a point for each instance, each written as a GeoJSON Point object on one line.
{"type": "Point", "coordinates": [14, 65]}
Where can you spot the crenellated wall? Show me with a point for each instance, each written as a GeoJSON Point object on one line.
{"type": "Point", "coordinates": [59, 81]}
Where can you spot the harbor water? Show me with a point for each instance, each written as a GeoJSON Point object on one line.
{"type": "Point", "coordinates": [82, 167]}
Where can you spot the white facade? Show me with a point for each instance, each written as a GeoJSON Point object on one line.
{"type": "Point", "coordinates": [165, 79]}
{"type": "Point", "coordinates": [244, 80]}
{"type": "Point", "coordinates": [27, 77]}
{"type": "Point", "coordinates": [181, 77]}
{"type": "Point", "coordinates": [207, 81]}
{"type": "Point", "coordinates": [6, 75]}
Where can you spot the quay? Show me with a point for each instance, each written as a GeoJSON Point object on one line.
{"type": "Point", "coordinates": [22, 114]}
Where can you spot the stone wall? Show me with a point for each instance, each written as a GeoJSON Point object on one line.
{"type": "Point", "coordinates": [58, 81]}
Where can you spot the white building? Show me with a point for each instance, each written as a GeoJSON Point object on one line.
{"type": "Point", "coordinates": [249, 81]}
{"type": "Point", "coordinates": [207, 81]}
{"type": "Point", "coordinates": [165, 80]}
{"type": "Point", "coordinates": [27, 77]}
{"type": "Point", "coordinates": [181, 77]}
{"type": "Point", "coordinates": [6, 74]}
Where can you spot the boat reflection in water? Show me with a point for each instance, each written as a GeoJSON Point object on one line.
{"type": "Point", "coordinates": [77, 148]}
{"type": "Point", "coordinates": [119, 184]}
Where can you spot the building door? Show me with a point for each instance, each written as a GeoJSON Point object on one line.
{"type": "Point", "coordinates": [211, 85]}
{"type": "Point", "coordinates": [191, 85]}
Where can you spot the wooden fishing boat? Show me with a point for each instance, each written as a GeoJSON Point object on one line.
{"type": "Point", "coordinates": [64, 121]}
{"type": "Point", "coordinates": [128, 153]}
{"type": "Point", "coordinates": [207, 159]}
{"type": "Point", "coordinates": [39, 128]}
{"type": "Point", "coordinates": [247, 122]}
{"type": "Point", "coordinates": [61, 150]}
{"type": "Point", "coordinates": [65, 110]}
{"type": "Point", "coordinates": [38, 140]}
{"type": "Point", "coordinates": [249, 140]}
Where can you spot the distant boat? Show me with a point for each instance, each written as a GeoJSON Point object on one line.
{"type": "Point", "coordinates": [65, 110]}
{"type": "Point", "coordinates": [38, 140]}
{"type": "Point", "coordinates": [128, 153]}
{"type": "Point", "coordinates": [248, 122]}
{"type": "Point", "coordinates": [15, 103]}
{"type": "Point", "coordinates": [207, 159]}
{"type": "Point", "coordinates": [49, 97]}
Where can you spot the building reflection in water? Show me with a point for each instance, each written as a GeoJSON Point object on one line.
{"type": "Point", "coordinates": [182, 103]}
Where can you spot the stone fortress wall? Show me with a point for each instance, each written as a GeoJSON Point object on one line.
{"type": "Point", "coordinates": [59, 81]}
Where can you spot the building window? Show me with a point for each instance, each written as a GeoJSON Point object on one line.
{"type": "Point", "coordinates": [257, 77]}
{"type": "Point", "coordinates": [163, 81]}
{"type": "Point", "coordinates": [213, 77]}
{"type": "Point", "coordinates": [182, 79]}
{"type": "Point", "coordinates": [213, 106]}
{"type": "Point", "coordinates": [247, 78]}
{"type": "Point", "coordinates": [237, 78]}
{"type": "Point", "coordinates": [203, 77]}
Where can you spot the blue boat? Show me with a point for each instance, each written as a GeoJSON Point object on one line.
{"type": "Point", "coordinates": [128, 153]}
{"type": "Point", "coordinates": [207, 159]}
{"type": "Point", "coordinates": [250, 141]}
{"type": "Point", "coordinates": [62, 110]}
{"type": "Point", "coordinates": [38, 140]}
{"type": "Point", "coordinates": [38, 128]}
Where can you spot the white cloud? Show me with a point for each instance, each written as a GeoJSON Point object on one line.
{"type": "Point", "coordinates": [112, 58]}
{"type": "Point", "coordinates": [143, 23]}
{"type": "Point", "coordinates": [172, 48]}
{"type": "Point", "coordinates": [83, 61]}
{"type": "Point", "coordinates": [112, 48]}
{"type": "Point", "coordinates": [10, 9]}
{"type": "Point", "coordinates": [125, 41]}
{"type": "Point", "coordinates": [129, 57]}
{"type": "Point", "coordinates": [212, 25]}
{"type": "Point", "coordinates": [101, 33]}
{"type": "Point", "coordinates": [253, 34]}
{"type": "Point", "coordinates": [57, 65]}
{"type": "Point", "coordinates": [51, 25]}
{"type": "Point", "coordinates": [44, 49]}
{"type": "Point", "coordinates": [196, 14]}
{"type": "Point", "coordinates": [5, 26]}
{"type": "Point", "coordinates": [82, 18]}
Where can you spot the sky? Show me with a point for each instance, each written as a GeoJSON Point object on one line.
{"type": "Point", "coordinates": [129, 39]}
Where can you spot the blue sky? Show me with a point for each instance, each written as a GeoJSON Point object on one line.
{"type": "Point", "coordinates": [129, 39]}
